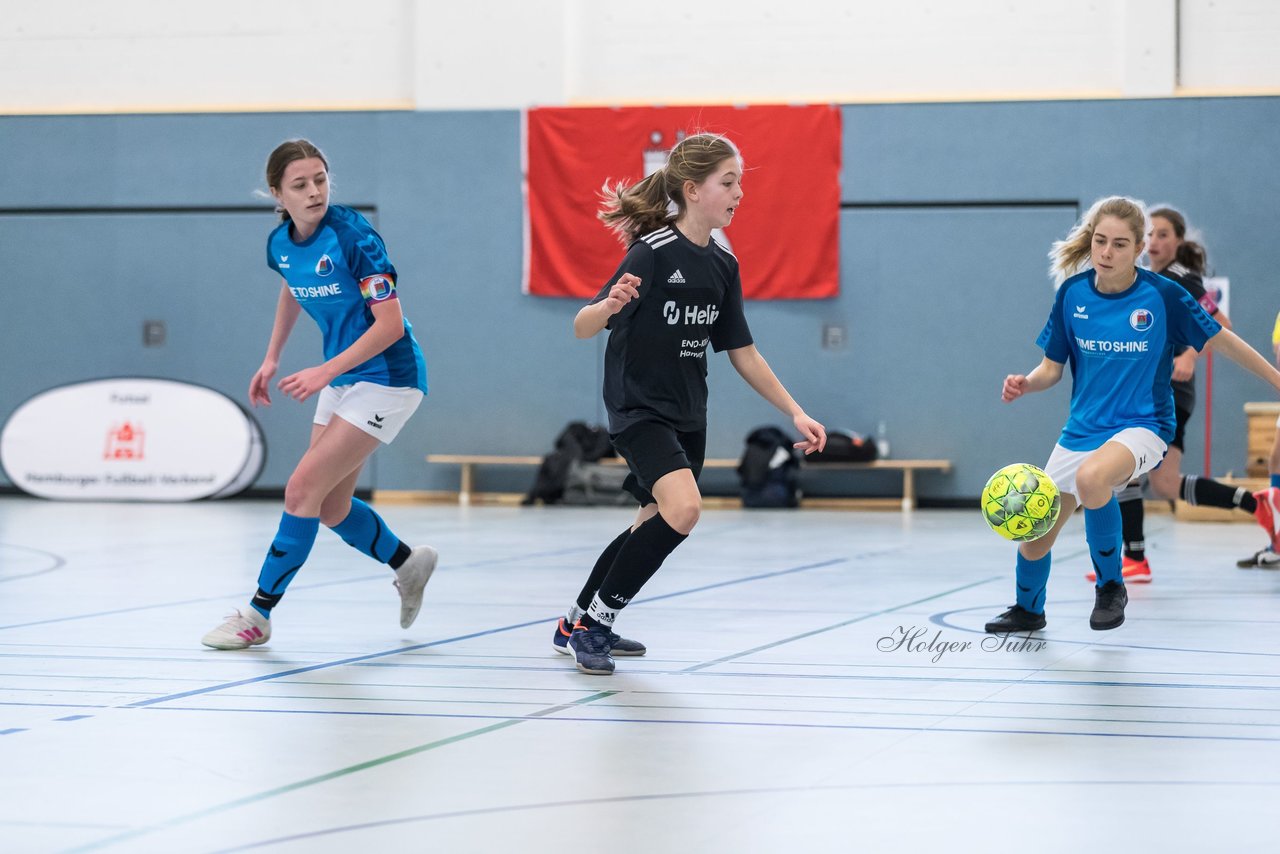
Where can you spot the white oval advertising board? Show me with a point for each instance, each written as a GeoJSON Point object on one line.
{"type": "Point", "coordinates": [131, 439]}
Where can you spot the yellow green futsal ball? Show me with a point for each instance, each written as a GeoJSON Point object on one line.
{"type": "Point", "coordinates": [1020, 502]}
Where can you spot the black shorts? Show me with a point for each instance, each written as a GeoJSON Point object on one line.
{"type": "Point", "coordinates": [653, 449]}
{"type": "Point", "coordinates": [1181, 417]}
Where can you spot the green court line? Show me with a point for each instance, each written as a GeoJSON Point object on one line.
{"type": "Point", "coordinates": [839, 625]}
{"type": "Point", "coordinates": [332, 775]}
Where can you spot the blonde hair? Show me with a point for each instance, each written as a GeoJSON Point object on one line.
{"type": "Point", "coordinates": [1069, 256]}
{"type": "Point", "coordinates": [645, 206]}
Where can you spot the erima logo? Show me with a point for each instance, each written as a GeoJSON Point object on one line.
{"type": "Point", "coordinates": [283, 262]}
{"type": "Point", "coordinates": [676, 278]}
{"type": "Point", "coordinates": [376, 423]}
{"type": "Point", "coordinates": [324, 266]}
{"type": "Point", "coordinates": [1080, 313]}
{"type": "Point", "coordinates": [693, 315]}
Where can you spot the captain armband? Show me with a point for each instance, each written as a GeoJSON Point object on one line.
{"type": "Point", "coordinates": [378, 288]}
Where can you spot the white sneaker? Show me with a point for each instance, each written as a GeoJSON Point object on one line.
{"type": "Point", "coordinates": [241, 630]}
{"type": "Point", "coordinates": [411, 578]}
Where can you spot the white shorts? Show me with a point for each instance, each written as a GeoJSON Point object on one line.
{"type": "Point", "coordinates": [378, 410]}
{"type": "Point", "coordinates": [1147, 448]}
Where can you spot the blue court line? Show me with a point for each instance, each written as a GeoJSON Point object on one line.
{"type": "Point", "coordinates": [58, 562]}
{"type": "Point", "coordinates": [341, 772]}
{"type": "Point", "coordinates": [847, 712]}
{"type": "Point", "coordinates": [294, 587]}
{"type": "Point", "coordinates": [701, 723]}
{"type": "Point", "coordinates": [839, 625]}
{"type": "Point", "coordinates": [12, 730]}
{"type": "Point", "coordinates": [325, 665]}
{"type": "Point", "coordinates": [966, 700]}
{"type": "Point", "coordinates": [383, 654]}
{"type": "Point", "coordinates": [940, 619]}
{"type": "Point", "coordinates": [725, 793]}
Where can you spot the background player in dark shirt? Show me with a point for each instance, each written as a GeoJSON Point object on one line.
{"type": "Point", "coordinates": [1175, 256]}
{"type": "Point", "coordinates": [676, 292]}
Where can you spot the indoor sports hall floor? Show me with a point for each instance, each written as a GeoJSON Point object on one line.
{"type": "Point", "coordinates": [767, 716]}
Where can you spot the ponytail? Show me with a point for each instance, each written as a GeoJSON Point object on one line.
{"type": "Point", "coordinates": [638, 209]}
{"type": "Point", "coordinates": [647, 205]}
{"type": "Point", "coordinates": [1190, 254]}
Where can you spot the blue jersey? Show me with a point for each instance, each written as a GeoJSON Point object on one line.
{"type": "Point", "coordinates": [336, 275]}
{"type": "Point", "coordinates": [1121, 347]}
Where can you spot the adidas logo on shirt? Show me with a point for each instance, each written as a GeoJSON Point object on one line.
{"type": "Point", "coordinates": [676, 278]}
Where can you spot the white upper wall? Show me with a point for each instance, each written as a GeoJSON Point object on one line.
{"type": "Point", "coordinates": [175, 55]}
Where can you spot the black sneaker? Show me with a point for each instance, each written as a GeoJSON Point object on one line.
{"type": "Point", "coordinates": [1016, 619]}
{"type": "Point", "coordinates": [1265, 559]}
{"type": "Point", "coordinates": [1108, 606]}
{"type": "Point", "coordinates": [591, 648]}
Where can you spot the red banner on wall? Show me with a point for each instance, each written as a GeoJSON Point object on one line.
{"type": "Point", "coordinates": [785, 234]}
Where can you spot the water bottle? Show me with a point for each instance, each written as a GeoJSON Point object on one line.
{"type": "Point", "coordinates": [882, 442]}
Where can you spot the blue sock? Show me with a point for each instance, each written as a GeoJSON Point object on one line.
{"type": "Point", "coordinates": [1033, 577]}
{"type": "Point", "coordinates": [1102, 533]}
{"type": "Point", "coordinates": [1275, 480]}
{"type": "Point", "coordinates": [363, 529]}
{"type": "Point", "coordinates": [289, 550]}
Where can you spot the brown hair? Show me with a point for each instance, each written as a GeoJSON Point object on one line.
{"type": "Point", "coordinates": [286, 153]}
{"type": "Point", "coordinates": [645, 206]}
{"type": "Point", "coordinates": [1190, 254]}
{"type": "Point", "coordinates": [1070, 255]}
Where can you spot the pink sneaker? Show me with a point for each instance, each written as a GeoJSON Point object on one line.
{"type": "Point", "coordinates": [1268, 513]}
{"type": "Point", "coordinates": [1136, 571]}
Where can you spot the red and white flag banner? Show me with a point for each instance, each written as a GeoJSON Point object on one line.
{"type": "Point", "coordinates": [785, 234]}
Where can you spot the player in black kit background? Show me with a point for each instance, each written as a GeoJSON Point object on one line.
{"type": "Point", "coordinates": [676, 292]}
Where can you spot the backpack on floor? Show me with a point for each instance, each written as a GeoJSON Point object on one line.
{"type": "Point", "coordinates": [769, 470]}
{"type": "Point", "coordinates": [578, 441]}
{"type": "Point", "coordinates": [596, 485]}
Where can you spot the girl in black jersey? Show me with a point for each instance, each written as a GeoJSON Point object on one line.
{"type": "Point", "coordinates": [1173, 255]}
{"type": "Point", "coordinates": [676, 292]}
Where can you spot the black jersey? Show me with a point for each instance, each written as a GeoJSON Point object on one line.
{"type": "Point", "coordinates": [1184, 391]}
{"type": "Point", "coordinates": [655, 366]}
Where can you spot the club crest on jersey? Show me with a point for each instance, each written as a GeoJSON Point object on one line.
{"type": "Point", "coordinates": [324, 266]}
{"type": "Point", "coordinates": [377, 288]}
{"type": "Point", "coordinates": [1141, 319]}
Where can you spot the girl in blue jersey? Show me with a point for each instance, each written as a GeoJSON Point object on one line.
{"type": "Point", "coordinates": [335, 268]}
{"type": "Point", "coordinates": [676, 295]}
{"type": "Point", "coordinates": [1119, 326]}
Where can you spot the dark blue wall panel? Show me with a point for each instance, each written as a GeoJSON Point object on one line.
{"type": "Point", "coordinates": [109, 220]}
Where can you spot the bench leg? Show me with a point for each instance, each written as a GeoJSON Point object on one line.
{"type": "Point", "coordinates": [908, 490]}
{"type": "Point", "coordinates": [464, 485]}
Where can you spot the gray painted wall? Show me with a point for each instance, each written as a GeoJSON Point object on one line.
{"type": "Point", "coordinates": [108, 221]}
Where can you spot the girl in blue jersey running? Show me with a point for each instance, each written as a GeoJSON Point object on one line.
{"type": "Point", "coordinates": [1119, 326]}
{"type": "Point", "coordinates": [335, 268]}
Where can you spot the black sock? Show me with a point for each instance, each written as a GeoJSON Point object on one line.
{"type": "Point", "coordinates": [603, 564]}
{"type": "Point", "coordinates": [638, 559]}
{"type": "Point", "coordinates": [1132, 514]}
{"type": "Point", "coordinates": [401, 555]}
{"type": "Point", "coordinates": [1210, 493]}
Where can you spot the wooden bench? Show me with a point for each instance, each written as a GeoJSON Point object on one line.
{"type": "Point", "coordinates": [468, 462]}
